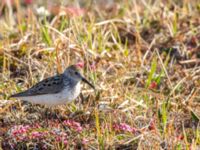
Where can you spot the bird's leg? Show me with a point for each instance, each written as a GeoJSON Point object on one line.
{"type": "Point", "coordinates": [81, 98]}
{"type": "Point", "coordinates": [46, 116]}
{"type": "Point", "coordinates": [60, 120]}
{"type": "Point", "coordinates": [81, 101]}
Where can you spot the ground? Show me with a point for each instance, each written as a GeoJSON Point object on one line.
{"type": "Point", "coordinates": [142, 56]}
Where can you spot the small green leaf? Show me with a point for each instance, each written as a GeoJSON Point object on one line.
{"type": "Point", "coordinates": [194, 116]}
{"type": "Point", "coordinates": [152, 72]}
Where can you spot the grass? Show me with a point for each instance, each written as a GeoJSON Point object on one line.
{"type": "Point", "coordinates": [142, 56]}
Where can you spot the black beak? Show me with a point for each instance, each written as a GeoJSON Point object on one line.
{"type": "Point", "coordinates": [86, 81]}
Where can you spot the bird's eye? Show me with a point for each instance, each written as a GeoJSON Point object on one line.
{"type": "Point", "coordinates": [76, 73]}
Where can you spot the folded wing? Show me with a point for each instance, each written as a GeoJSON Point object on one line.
{"type": "Point", "coordinates": [50, 85]}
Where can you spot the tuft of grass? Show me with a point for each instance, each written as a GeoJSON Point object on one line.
{"type": "Point", "coordinates": [144, 63]}
{"type": "Point", "coordinates": [45, 33]}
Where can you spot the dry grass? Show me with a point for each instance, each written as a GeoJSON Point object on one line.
{"type": "Point", "coordinates": [143, 57]}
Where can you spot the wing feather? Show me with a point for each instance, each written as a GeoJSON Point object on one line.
{"type": "Point", "coordinates": [50, 85]}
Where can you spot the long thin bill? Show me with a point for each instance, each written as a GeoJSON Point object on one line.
{"type": "Point", "coordinates": [86, 81]}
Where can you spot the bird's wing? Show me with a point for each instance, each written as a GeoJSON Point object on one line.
{"type": "Point", "coordinates": [50, 85]}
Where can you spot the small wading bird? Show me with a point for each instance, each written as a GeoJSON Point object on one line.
{"type": "Point", "coordinates": [55, 90]}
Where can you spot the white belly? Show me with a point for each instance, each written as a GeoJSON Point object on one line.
{"type": "Point", "coordinates": [55, 99]}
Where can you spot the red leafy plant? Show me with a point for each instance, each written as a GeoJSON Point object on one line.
{"type": "Point", "coordinates": [124, 127]}
{"type": "Point", "coordinates": [74, 125]}
{"type": "Point", "coordinates": [23, 133]}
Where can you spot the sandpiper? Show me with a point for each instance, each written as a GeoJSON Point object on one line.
{"type": "Point", "coordinates": [55, 90]}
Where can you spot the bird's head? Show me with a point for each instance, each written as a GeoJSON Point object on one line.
{"type": "Point", "coordinates": [74, 73]}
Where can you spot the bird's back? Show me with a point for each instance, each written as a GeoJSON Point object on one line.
{"type": "Point", "coordinates": [50, 85]}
